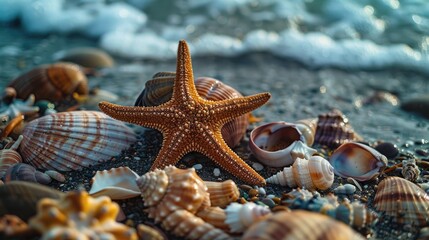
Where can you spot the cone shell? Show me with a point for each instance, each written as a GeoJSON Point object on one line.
{"type": "Point", "coordinates": [53, 82]}
{"type": "Point", "coordinates": [315, 173]}
{"type": "Point", "coordinates": [358, 161]}
{"type": "Point", "coordinates": [80, 217]}
{"type": "Point", "coordinates": [71, 140]}
{"type": "Point", "coordinates": [334, 129]}
{"type": "Point", "coordinates": [403, 200]}
{"type": "Point", "coordinates": [159, 90]}
{"type": "Point", "coordinates": [222, 193]}
{"type": "Point", "coordinates": [239, 217]}
{"type": "Point", "coordinates": [25, 172]}
{"type": "Point", "coordinates": [300, 225]}
{"type": "Point", "coordinates": [279, 144]}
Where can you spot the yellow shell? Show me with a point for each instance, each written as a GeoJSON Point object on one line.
{"type": "Point", "coordinates": [79, 216]}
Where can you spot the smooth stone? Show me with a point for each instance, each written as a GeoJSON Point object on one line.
{"type": "Point", "coordinates": [198, 166]}
{"type": "Point", "coordinates": [216, 172]}
{"type": "Point", "coordinates": [388, 149]}
{"type": "Point", "coordinates": [418, 105]}
{"type": "Point", "coordinates": [257, 166]}
{"type": "Point", "coordinates": [86, 57]}
{"type": "Point", "coordinates": [262, 192]}
{"type": "Point", "coordinates": [269, 202]}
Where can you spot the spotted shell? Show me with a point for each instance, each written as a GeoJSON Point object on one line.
{"type": "Point", "coordinates": [315, 173]}
{"type": "Point", "coordinates": [279, 144]}
{"type": "Point", "coordinates": [9, 157]}
{"type": "Point", "coordinates": [222, 193]}
{"type": "Point", "coordinates": [300, 225]}
{"type": "Point", "coordinates": [241, 216]}
{"type": "Point", "coordinates": [80, 216]}
{"type": "Point", "coordinates": [358, 161]}
{"type": "Point", "coordinates": [86, 57]}
{"type": "Point", "coordinates": [25, 172]}
{"type": "Point", "coordinates": [334, 129]}
{"type": "Point", "coordinates": [159, 90]}
{"type": "Point", "coordinates": [52, 82]}
{"type": "Point", "coordinates": [71, 140]}
{"type": "Point", "coordinates": [403, 200]}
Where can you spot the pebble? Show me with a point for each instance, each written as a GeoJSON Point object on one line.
{"type": "Point", "coordinates": [257, 166]}
{"type": "Point", "coordinates": [271, 196]}
{"type": "Point", "coordinates": [388, 149]}
{"type": "Point", "coordinates": [269, 202]}
{"type": "Point", "coordinates": [245, 187]}
{"type": "Point", "coordinates": [262, 192]}
{"type": "Point", "coordinates": [137, 158]}
{"type": "Point", "coordinates": [253, 192]}
{"type": "Point", "coordinates": [198, 166]}
{"type": "Point", "coordinates": [419, 105]}
{"type": "Point", "coordinates": [422, 152]}
{"type": "Point", "coordinates": [216, 172]}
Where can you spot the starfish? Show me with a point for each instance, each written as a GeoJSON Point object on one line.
{"type": "Point", "coordinates": [190, 123]}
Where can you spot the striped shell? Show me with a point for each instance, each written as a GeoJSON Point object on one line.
{"type": "Point", "coordinates": [241, 216]}
{"type": "Point", "coordinates": [315, 173]}
{"type": "Point", "coordinates": [9, 157]}
{"type": "Point", "coordinates": [68, 141]}
{"type": "Point", "coordinates": [300, 225]}
{"type": "Point", "coordinates": [159, 90]}
{"type": "Point", "coordinates": [222, 193]}
{"type": "Point", "coordinates": [403, 200]}
{"type": "Point", "coordinates": [53, 82]}
{"type": "Point", "coordinates": [333, 129]}
{"type": "Point", "coordinates": [25, 172]}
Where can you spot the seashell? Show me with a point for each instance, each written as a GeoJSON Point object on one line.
{"type": "Point", "coordinates": [222, 193]}
{"type": "Point", "coordinates": [116, 183]}
{"type": "Point", "coordinates": [159, 90]}
{"type": "Point", "coordinates": [79, 216]}
{"type": "Point", "coordinates": [85, 56]}
{"type": "Point", "coordinates": [53, 82]}
{"type": "Point", "coordinates": [56, 175]}
{"type": "Point", "coordinates": [9, 157]}
{"type": "Point", "coordinates": [333, 129]}
{"type": "Point", "coordinates": [300, 225]}
{"type": "Point", "coordinates": [239, 217]}
{"type": "Point", "coordinates": [358, 161]}
{"type": "Point", "coordinates": [147, 232]}
{"type": "Point", "coordinates": [10, 107]}
{"type": "Point", "coordinates": [14, 127]}
{"type": "Point", "coordinates": [410, 170]}
{"type": "Point", "coordinates": [403, 200]}
{"type": "Point", "coordinates": [315, 173]}
{"type": "Point", "coordinates": [25, 172]}
{"type": "Point", "coordinates": [11, 225]}
{"type": "Point", "coordinates": [215, 216]}
{"type": "Point", "coordinates": [308, 129]}
{"type": "Point", "coordinates": [68, 141]}
{"type": "Point", "coordinates": [20, 198]}
{"type": "Point", "coordinates": [279, 144]}
{"type": "Point", "coordinates": [345, 189]}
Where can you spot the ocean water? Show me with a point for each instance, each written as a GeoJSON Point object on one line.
{"type": "Point", "coordinates": [348, 34]}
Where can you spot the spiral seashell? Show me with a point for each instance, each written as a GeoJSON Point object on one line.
{"type": "Point", "coordinates": [345, 189]}
{"type": "Point", "coordinates": [147, 232]}
{"type": "Point", "coordinates": [279, 144]}
{"type": "Point", "coordinates": [239, 217]}
{"type": "Point", "coordinates": [358, 161]}
{"type": "Point", "coordinates": [68, 141]}
{"type": "Point", "coordinates": [25, 172]}
{"type": "Point", "coordinates": [315, 173]}
{"type": "Point", "coordinates": [300, 225]}
{"type": "Point", "coordinates": [9, 157]}
{"type": "Point", "coordinates": [28, 194]}
{"type": "Point", "coordinates": [159, 90]}
{"type": "Point", "coordinates": [410, 170]}
{"type": "Point", "coordinates": [85, 56]}
{"type": "Point", "coordinates": [79, 216]}
{"type": "Point", "coordinates": [403, 200]}
{"type": "Point", "coordinates": [308, 129]}
{"type": "Point", "coordinates": [222, 193]}
{"type": "Point", "coordinates": [53, 82]}
{"type": "Point", "coordinates": [333, 129]}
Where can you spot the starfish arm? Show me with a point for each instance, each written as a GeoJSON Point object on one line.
{"type": "Point", "coordinates": [172, 150]}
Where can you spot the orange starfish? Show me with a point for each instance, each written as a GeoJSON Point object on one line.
{"type": "Point", "coordinates": [190, 123]}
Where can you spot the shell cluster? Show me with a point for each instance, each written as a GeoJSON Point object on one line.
{"type": "Point", "coordinates": [68, 141]}
{"type": "Point", "coordinates": [315, 173]}
{"type": "Point", "coordinates": [79, 216]}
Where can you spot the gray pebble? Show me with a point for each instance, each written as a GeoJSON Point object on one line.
{"type": "Point", "coordinates": [257, 166]}
{"type": "Point", "coordinates": [216, 172]}
{"type": "Point", "coordinates": [198, 166]}
{"type": "Point", "coordinates": [269, 202]}
{"type": "Point", "coordinates": [262, 192]}
{"type": "Point", "coordinates": [137, 158]}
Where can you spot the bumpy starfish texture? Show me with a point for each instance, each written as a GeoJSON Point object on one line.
{"type": "Point", "coordinates": [190, 123]}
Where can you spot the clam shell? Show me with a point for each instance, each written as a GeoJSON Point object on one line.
{"type": "Point", "coordinates": [25, 172]}
{"type": "Point", "coordinates": [52, 82]}
{"type": "Point", "coordinates": [116, 183]}
{"type": "Point", "coordinates": [279, 144]}
{"type": "Point", "coordinates": [159, 90]}
{"type": "Point", "coordinates": [403, 200]}
{"type": "Point", "coordinates": [315, 173]}
{"type": "Point", "coordinates": [86, 57]}
{"type": "Point", "coordinates": [300, 225]}
{"type": "Point", "coordinates": [222, 193]}
{"type": "Point", "coordinates": [358, 161]}
{"type": "Point", "coordinates": [239, 217]}
{"type": "Point", "coordinates": [71, 140]}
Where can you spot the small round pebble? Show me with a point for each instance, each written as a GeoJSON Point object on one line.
{"type": "Point", "coordinates": [198, 166]}
{"type": "Point", "coordinates": [269, 202]}
{"type": "Point", "coordinates": [262, 192]}
{"type": "Point", "coordinates": [137, 158]}
{"type": "Point", "coordinates": [257, 166]}
{"type": "Point", "coordinates": [388, 149]}
{"type": "Point", "coordinates": [216, 172]}
{"type": "Point", "coordinates": [253, 192]}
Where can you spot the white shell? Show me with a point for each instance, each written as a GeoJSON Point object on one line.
{"type": "Point", "coordinates": [116, 183]}
{"type": "Point", "coordinates": [279, 144]}
{"type": "Point", "coordinates": [345, 189]}
{"type": "Point", "coordinates": [240, 216]}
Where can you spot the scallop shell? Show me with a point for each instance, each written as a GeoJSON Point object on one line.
{"type": "Point", "coordinates": [86, 57]}
{"type": "Point", "coordinates": [403, 200]}
{"type": "Point", "coordinates": [116, 183]}
{"type": "Point", "coordinates": [9, 157]}
{"type": "Point", "coordinates": [222, 193]}
{"type": "Point", "coordinates": [279, 144]}
{"type": "Point", "coordinates": [68, 141]}
{"type": "Point", "coordinates": [239, 217]}
{"type": "Point", "coordinates": [28, 194]}
{"type": "Point", "coordinates": [79, 216]}
{"type": "Point", "coordinates": [358, 161]}
{"type": "Point", "coordinates": [333, 129]}
{"type": "Point", "coordinates": [52, 82]}
{"type": "Point", "coordinates": [159, 90]}
{"type": "Point", "coordinates": [25, 172]}
{"type": "Point", "coordinates": [315, 173]}
{"type": "Point", "coordinates": [300, 225]}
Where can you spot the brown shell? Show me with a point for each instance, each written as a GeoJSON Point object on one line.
{"type": "Point", "coordinates": [222, 193]}
{"type": "Point", "coordinates": [8, 157]}
{"type": "Point", "coordinates": [333, 129]}
{"type": "Point", "coordinates": [403, 200]}
{"type": "Point", "coordinates": [53, 82]}
{"type": "Point", "coordinates": [299, 225]}
{"type": "Point", "coordinates": [159, 90]}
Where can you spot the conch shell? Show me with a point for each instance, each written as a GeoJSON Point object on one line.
{"type": "Point", "coordinates": [315, 173]}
